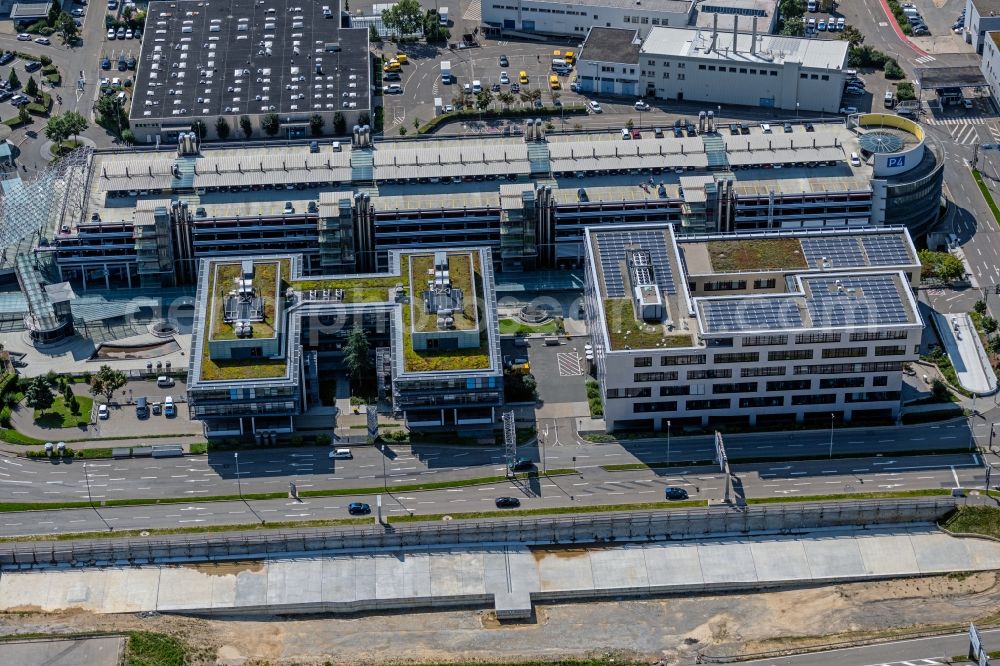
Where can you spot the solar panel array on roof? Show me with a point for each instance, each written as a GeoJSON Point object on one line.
{"type": "Point", "coordinates": [751, 314]}
{"type": "Point", "coordinates": [839, 252]}
{"type": "Point", "coordinates": [612, 247]}
{"type": "Point", "coordinates": [886, 250]}
{"type": "Point", "coordinates": [862, 300]}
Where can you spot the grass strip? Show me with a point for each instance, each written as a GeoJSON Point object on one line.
{"type": "Point", "coordinates": [597, 508]}
{"type": "Point", "coordinates": [628, 467]}
{"type": "Point", "coordinates": [983, 520]}
{"type": "Point", "coordinates": [987, 195]}
{"type": "Point", "coordinates": [145, 648]}
{"type": "Point", "coordinates": [888, 494]}
{"type": "Point", "coordinates": [11, 507]}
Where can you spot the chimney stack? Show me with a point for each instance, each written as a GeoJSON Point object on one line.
{"type": "Point", "coordinates": [753, 40]}
{"type": "Point", "coordinates": [715, 31]}
{"type": "Point", "coordinates": [736, 30]}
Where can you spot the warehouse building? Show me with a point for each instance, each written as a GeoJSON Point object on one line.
{"type": "Point", "coordinates": [248, 60]}
{"type": "Point", "coordinates": [266, 340]}
{"type": "Point", "coordinates": [750, 329]}
{"type": "Point", "coordinates": [559, 18]}
{"type": "Point", "coordinates": [981, 18]}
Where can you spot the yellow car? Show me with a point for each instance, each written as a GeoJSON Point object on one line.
{"type": "Point", "coordinates": [569, 57]}
{"type": "Point", "coordinates": [402, 58]}
{"type": "Point", "coordinates": [557, 54]}
{"type": "Point", "coordinates": [554, 82]}
{"type": "Point", "coordinates": [522, 76]}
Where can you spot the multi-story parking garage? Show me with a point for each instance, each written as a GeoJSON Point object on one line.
{"type": "Point", "coordinates": [149, 216]}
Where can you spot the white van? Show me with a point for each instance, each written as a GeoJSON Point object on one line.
{"type": "Point", "coordinates": [559, 63]}
{"type": "Point", "coordinates": [341, 454]}
{"type": "Point", "coordinates": [811, 5]}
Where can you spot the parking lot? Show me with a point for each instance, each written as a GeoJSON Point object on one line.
{"type": "Point", "coordinates": [560, 370]}
{"type": "Point", "coordinates": [123, 421]}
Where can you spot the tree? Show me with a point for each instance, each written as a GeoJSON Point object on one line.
{"type": "Point", "coordinates": [793, 27]}
{"type": "Point", "coordinates": [246, 126]}
{"type": "Point", "coordinates": [506, 98]}
{"type": "Point", "coordinates": [941, 265]}
{"type": "Point", "coordinates": [364, 118]}
{"type": "Point", "coordinates": [893, 71]}
{"type": "Point", "coordinates": [989, 325]}
{"type": "Point", "coordinates": [357, 355]}
{"type": "Point", "coordinates": [74, 123]}
{"type": "Point", "coordinates": [905, 91]}
{"type": "Point", "coordinates": [827, 6]}
{"type": "Point", "coordinates": [39, 394]}
{"type": "Point", "coordinates": [31, 87]}
{"type": "Point", "coordinates": [222, 128]}
{"type": "Point", "coordinates": [979, 307]}
{"type": "Point", "coordinates": [23, 116]}
{"type": "Point", "coordinates": [373, 35]}
{"type": "Point", "coordinates": [199, 128]}
{"type": "Point", "coordinates": [55, 129]}
{"type": "Point", "coordinates": [402, 131]}
{"type": "Point", "coordinates": [107, 381]}
{"type": "Point", "coordinates": [793, 8]}
{"type": "Point", "coordinates": [128, 136]}
{"type": "Point", "coordinates": [404, 18]}
{"type": "Point", "coordinates": [940, 391]}
{"type": "Point", "coordinates": [339, 124]}
{"type": "Point", "coordinates": [316, 123]}
{"type": "Point", "coordinates": [483, 99]}
{"type": "Point", "coordinates": [271, 124]}
{"type": "Point", "coordinates": [852, 36]}
{"type": "Point", "coordinates": [54, 10]}
{"type": "Point", "coordinates": [67, 27]}
{"type": "Point", "coordinates": [12, 79]}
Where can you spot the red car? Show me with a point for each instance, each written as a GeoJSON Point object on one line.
{"type": "Point", "coordinates": [635, 133]}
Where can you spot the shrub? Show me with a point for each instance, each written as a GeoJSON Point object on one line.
{"type": "Point", "coordinates": [5, 417]}
{"type": "Point", "coordinates": [893, 71]}
{"type": "Point", "coordinates": [323, 440]}
{"type": "Point", "coordinates": [296, 440]}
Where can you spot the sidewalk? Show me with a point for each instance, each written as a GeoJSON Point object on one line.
{"type": "Point", "coordinates": [963, 346]}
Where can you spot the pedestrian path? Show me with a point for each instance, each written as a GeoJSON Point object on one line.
{"type": "Point", "coordinates": [474, 13]}
{"type": "Point", "coordinates": [923, 60]}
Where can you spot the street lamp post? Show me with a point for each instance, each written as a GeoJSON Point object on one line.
{"type": "Point", "coordinates": [90, 498]}
{"type": "Point", "coordinates": [668, 442]}
{"type": "Point", "coordinates": [239, 483]}
{"type": "Point", "coordinates": [831, 435]}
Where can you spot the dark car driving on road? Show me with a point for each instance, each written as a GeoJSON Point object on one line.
{"type": "Point", "coordinates": [508, 502]}
{"type": "Point", "coordinates": [673, 493]}
{"type": "Point", "coordinates": [358, 508]}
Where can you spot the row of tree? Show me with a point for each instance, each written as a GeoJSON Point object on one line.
{"type": "Point", "coordinates": [40, 392]}
{"type": "Point", "coordinates": [271, 124]}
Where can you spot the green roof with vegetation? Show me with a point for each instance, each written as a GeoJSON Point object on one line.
{"type": "Point", "coordinates": [460, 274]}
{"type": "Point", "coordinates": [763, 254]}
{"type": "Point", "coordinates": [265, 284]}
{"type": "Point", "coordinates": [625, 332]}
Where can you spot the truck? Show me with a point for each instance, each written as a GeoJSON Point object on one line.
{"type": "Point", "coordinates": [443, 16]}
{"type": "Point", "coordinates": [445, 71]}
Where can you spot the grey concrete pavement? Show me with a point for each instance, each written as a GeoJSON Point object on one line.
{"type": "Point", "coordinates": [509, 575]}
{"type": "Point", "coordinates": [591, 486]}
{"type": "Point", "coordinates": [103, 651]}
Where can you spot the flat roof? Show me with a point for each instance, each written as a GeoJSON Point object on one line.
{"type": "Point", "coordinates": [835, 279]}
{"type": "Point", "coordinates": [347, 293]}
{"type": "Point", "coordinates": [771, 49]}
{"type": "Point", "coordinates": [611, 45]}
{"type": "Point", "coordinates": [728, 10]}
{"type": "Point", "coordinates": [935, 78]}
{"type": "Point", "coordinates": [667, 6]}
{"type": "Point", "coordinates": [248, 57]}
{"type": "Point", "coordinates": [987, 7]}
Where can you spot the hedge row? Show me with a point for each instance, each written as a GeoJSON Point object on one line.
{"type": "Point", "coordinates": [432, 124]}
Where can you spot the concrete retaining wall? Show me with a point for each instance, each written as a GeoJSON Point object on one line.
{"type": "Point", "coordinates": [604, 528]}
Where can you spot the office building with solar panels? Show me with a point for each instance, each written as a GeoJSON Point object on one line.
{"type": "Point", "coordinates": [750, 329]}
{"type": "Point", "coordinates": [244, 58]}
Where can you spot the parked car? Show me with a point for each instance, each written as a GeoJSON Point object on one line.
{"type": "Point", "coordinates": [848, 110]}
{"type": "Point", "coordinates": [78, 12]}
{"type": "Point", "coordinates": [358, 508]}
{"type": "Point", "coordinates": [507, 502]}
{"type": "Point", "coordinates": [341, 454]}
{"type": "Point", "coordinates": [642, 106]}
{"type": "Point", "coordinates": [111, 33]}
{"type": "Point", "coordinates": [504, 79]}
{"type": "Point", "coordinates": [788, 128]}
{"type": "Point", "coordinates": [23, 37]}
{"type": "Point", "coordinates": [393, 89]}
{"type": "Point", "coordinates": [855, 160]}
{"type": "Point", "coordinates": [169, 409]}
{"type": "Point", "coordinates": [105, 63]}
{"type": "Point", "coordinates": [102, 412]}
{"type": "Point", "coordinates": [521, 463]}
{"type": "Point", "coordinates": [503, 62]}
{"type": "Point", "coordinates": [595, 106]}
{"type": "Point", "coordinates": [7, 57]}
{"type": "Point", "coordinates": [675, 493]}
{"type": "Point", "coordinates": [163, 381]}
{"type": "Point", "coordinates": [42, 40]}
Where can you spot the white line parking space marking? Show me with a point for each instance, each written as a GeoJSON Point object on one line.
{"type": "Point", "coordinates": [569, 364]}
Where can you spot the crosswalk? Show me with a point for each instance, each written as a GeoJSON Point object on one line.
{"type": "Point", "coordinates": [960, 120]}
{"type": "Point", "coordinates": [925, 59]}
{"type": "Point", "coordinates": [965, 135]}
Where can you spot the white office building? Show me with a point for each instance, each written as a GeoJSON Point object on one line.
{"type": "Point", "coordinates": [981, 17]}
{"type": "Point", "coordinates": [733, 67]}
{"type": "Point", "coordinates": [561, 18]}
{"type": "Point", "coordinates": [750, 329]}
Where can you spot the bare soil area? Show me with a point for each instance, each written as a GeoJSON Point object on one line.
{"type": "Point", "coordinates": [667, 630]}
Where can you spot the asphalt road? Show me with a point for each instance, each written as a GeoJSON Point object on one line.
{"type": "Point", "coordinates": [917, 652]}
{"type": "Point", "coordinates": [590, 486]}
{"type": "Point", "coordinates": [24, 480]}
